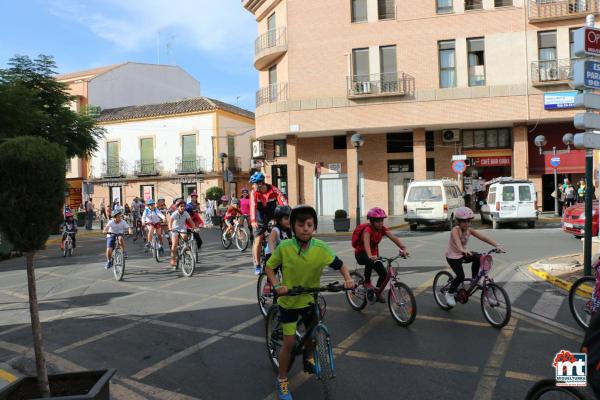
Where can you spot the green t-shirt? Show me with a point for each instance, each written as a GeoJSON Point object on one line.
{"type": "Point", "coordinates": [302, 269]}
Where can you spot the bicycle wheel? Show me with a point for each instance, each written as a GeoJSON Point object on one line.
{"type": "Point", "coordinates": [241, 239]}
{"type": "Point", "coordinates": [274, 338]}
{"type": "Point", "coordinates": [356, 297]}
{"type": "Point", "coordinates": [187, 263]}
{"type": "Point", "coordinates": [118, 264]}
{"type": "Point", "coordinates": [324, 368]}
{"type": "Point", "coordinates": [65, 250]}
{"type": "Point", "coordinates": [225, 240]}
{"type": "Point", "coordinates": [495, 305]}
{"type": "Point", "coordinates": [580, 300]}
{"type": "Point", "coordinates": [194, 249]}
{"type": "Point", "coordinates": [441, 283]}
{"type": "Point", "coordinates": [155, 247]}
{"type": "Point", "coordinates": [265, 298]}
{"type": "Point", "coordinates": [546, 389]}
{"type": "Point", "coordinates": [402, 304]}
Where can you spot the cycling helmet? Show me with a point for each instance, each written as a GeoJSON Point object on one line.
{"type": "Point", "coordinates": [117, 213]}
{"type": "Point", "coordinates": [161, 198]}
{"type": "Point", "coordinates": [224, 198]}
{"type": "Point", "coordinates": [282, 211]}
{"type": "Point", "coordinates": [303, 210]}
{"type": "Point", "coordinates": [463, 213]}
{"type": "Point", "coordinates": [235, 202]}
{"type": "Point", "coordinates": [68, 214]}
{"type": "Point", "coordinates": [194, 193]}
{"type": "Point", "coordinates": [150, 202]}
{"type": "Point", "coordinates": [376, 213]}
{"type": "Point", "coordinates": [176, 200]}
{"type": "Point", "coordinates": [257, 177]}
{"type": "Point", "coordinates": [245, 190]}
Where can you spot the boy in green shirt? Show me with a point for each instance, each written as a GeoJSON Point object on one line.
{"type": "Point", "coordinates": [303, 259]}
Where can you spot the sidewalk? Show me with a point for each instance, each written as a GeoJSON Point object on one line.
{"type": "Point", "coordinates": [561, 271]}
{"type": "Point", "coordinates": [325, 227]}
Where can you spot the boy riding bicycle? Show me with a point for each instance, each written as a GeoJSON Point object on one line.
{"type": "Point", "coordinates": [115, 226]}
{"type": "Point", "coordinates": [303, 260]}
{"type": "Point", "coordinates": [177, 226]}
{"type": "Point", "coordinates": [69, 228]}
{"type": "Point", "coordinates": [233, 212]}
{"type": "Point", "coordinates": [151, 219]}
{"type": "Point", "coordinates": [457, 253]}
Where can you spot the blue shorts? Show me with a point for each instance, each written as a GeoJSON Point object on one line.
{"type": "Point", "coordinates": [111, 241]}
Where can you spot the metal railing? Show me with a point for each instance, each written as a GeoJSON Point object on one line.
{"type": "Point", "coordinates": [146, 167]}
{"type": "Point", "coordinates": [560, 9]}
{"type": "Point", "coordinates": [272, 94]}
{"type": "Point", "coordinates": [272, 38]}
{"type": "Point", "coordinates": [551, 71]}
{"type": "Point", "coordinates": [196, 165]}
{"type": "Point", "coordinates": [473, 5]}
{"type": "Point", "coordinates": [386, 84]}
{"type": "Point", "coordinates": [234, 164]}
{"type": "Point", "coordinates": [113, 168]}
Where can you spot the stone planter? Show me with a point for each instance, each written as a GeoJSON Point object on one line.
{"type": "Point", "coordinates": [85, 385]}
{"type": "Point", "coordinates": [341, 224]}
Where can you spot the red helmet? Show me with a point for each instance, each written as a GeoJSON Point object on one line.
{"type": "Point", "coordinates": [376, 213]}
{"type": "Point", "coordinates": [463, 213]}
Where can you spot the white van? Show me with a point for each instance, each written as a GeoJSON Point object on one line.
{"type": "Point", "coordinates": [432, 202]}
{"type": "Point", "coordinates": [510, 200]}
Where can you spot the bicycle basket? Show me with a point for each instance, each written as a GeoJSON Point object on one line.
{"type": "Point", "coordinates": [486, 263]}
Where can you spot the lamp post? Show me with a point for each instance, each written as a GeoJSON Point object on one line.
{"type": "Point", "coordinates": [357, 141]}
{"type": "Point", "coordinates": [540, 141]}
{"type": "Point", "coordinates": [223, 156]}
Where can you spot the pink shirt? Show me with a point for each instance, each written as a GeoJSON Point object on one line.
{"type": "Point", "coordinates": [453, 252]}
{"type": "Point", "coordinates": [245, 206]}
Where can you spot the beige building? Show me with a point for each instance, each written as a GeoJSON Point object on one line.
{"type": "Point", "coordinates": [421, 81]}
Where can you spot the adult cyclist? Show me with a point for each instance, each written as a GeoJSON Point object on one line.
{"type": "Point", "coordinates": [263, 201]}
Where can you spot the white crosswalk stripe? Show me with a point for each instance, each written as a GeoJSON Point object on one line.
{"type": "Point", "coordinates": [548, 305]}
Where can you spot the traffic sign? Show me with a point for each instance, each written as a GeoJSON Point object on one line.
{"type": "Point", "coordinates": [586, 41]}
{"type": "Point", "coordinates": [587, 140]}
{"type": "Point", "coordinates": [586, 74]}
{"type": "Point", "coordinates": [555, 162]}
{"type": "Point", "coordinates": [459, 157]}
{"type": "Point", "coordinates": [587, 120]}
{"type": "Point", "coordinates": [459, 166]}
{"type": "Point", "coordinates": [587, 100]}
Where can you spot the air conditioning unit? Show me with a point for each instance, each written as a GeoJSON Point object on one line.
{"type": "Point", "coordinates": [552, 74]}
{"type": "Point", "coordinates": [363, 87]}
{"type": "Point", "coordinates": [451, 135]}
{"type": "Point", "coordinates": [256, 164]}
{"type": "Point", "coordinates": [258, 149]}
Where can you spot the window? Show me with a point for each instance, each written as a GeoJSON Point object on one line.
{"type": "Point", "coordinates": [491, 138]}
{"type": "Point", "coordinates": [473, 5]}
{"type": "Point", "coordinates": [231, 161]}
{"type": "Point", "coordinates": [548, 64]}
{"type": "Point", "coordinates": [524, 193]}
{"type": "Point", "coordinates": [272, 34]}
{"type": "Point", "coordinates": [479, 139]}
{"type": "Point", "coordinates": [444, 6]}
{"type": "Point", "coordinates": [387, 9]}
{"type": "Point", "coordinates": [146, 156]}
{"type": "Point", "coordinates": [112, 158]}
{"type": "Point", "coordinates": [430, 164]}
{"type": "Point", "coordinates": [486, 138]}
{"type": "Point", "coordinates": [280, 147]}
{"type": "Point", "coordinates": [508, 193]}
{"type": "Point", "coordinates": [339, 142]}
{"type": "Point", "coordinates": [425, 193]}
{"type": "Point", "coordinates": [389, 73]}
{"type": "Point", "coordinates": [503, 3]}
{"type": "Point", "coordinates": [400, 142]}
{"type": "Point", "coordinates": [279, 177]}
{"type": "Point", "coordinates": [360, 63]}
{"type": "Point", "coordinates": [188, 153]}
{"type": "Point", "coordinates": [400, 166]}
{"type": "Point", "coordinates": [68, 165]}
{"type": "Point", "coordinates": [492, 196]}
{"type": "Point", "coordinates": [476, 60]}
{"type": "Point", "coordinates": [447, 64]}
{"type": "Point", "coordinates": [429, 142]}
{"type": "Point", "coordinates": [572, 44]}
{"type": "Point", "coordinates": [272, 84]}
{"type": "Point", "coordinates": [359, 10]}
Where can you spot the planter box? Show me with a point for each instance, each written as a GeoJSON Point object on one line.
{"type": "Point", "coordinates": [341, 224]}
{"type": "Point", "coordinates": [86, 385]}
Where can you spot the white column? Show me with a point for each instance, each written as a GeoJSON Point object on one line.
{"type": "Point", "coordinates": [459, 6]}
{"type": "Point", "coordinates": [374, 66]}
{"type": "Point", "coordinates": [488, 4]}
{"type": "Point", "coordinates": [562, 43]}
{"type": "Point", "coordinates": [462, 67]}
{"type": "Point", "coordinates": [372, 11]}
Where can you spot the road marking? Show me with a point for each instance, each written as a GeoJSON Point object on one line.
{"type": "Point", "coordinates": [523, 376]}
{"type": "Point", "coordinates": [250, 338]}
{"type": "Point", "coordinates": [154, 391]}
{"type": "Point", "coordinates": [552, 326]}
{"type": "Point", "coordinates": [7, 376]}
{"type": "Point", "coordinates": [360, 332]}
{"type": "Point", "coordinates": [244, 325]}
{"type": "Point", "coordinates": [414, 362]}
{"type": "Point", "coordinates": [95, 338]}
{"type": "Point", "coordinates": [487, 384]}
{"type": "Point", "coordinates": [455, 321]}
{"type": "Point", "coordinates": [548, 305]}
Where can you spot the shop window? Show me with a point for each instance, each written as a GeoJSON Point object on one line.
{"type": "Point", "coordinates": [280, 148]}
{"type": "Point", "coordinates": [339, 142]}
{"type": "Point", "coordinates": [486, 138]}
{"type": "Point", "coordinates": [400, 142]}
{"type": "Point", "coordinates": [429, 141]}
{"type": "Point", "coordinates": [503, 137]}
{"type": "Point", "coordinates": [395, 166]}
{"type": "Point", "coordinates": [491, 138]}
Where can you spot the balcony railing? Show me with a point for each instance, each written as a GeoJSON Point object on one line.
{"type": "Point", "coordinates": [113, 168]}
{"type": "Point", "coordinates": [234, 164]}
{"type": "Point", "coordinates": [377, 85]}
{"type": "Point", "coordinates": [196, 165]}
{"type": "Point", "coordinates": [545, 10]}
{"type": "Point", "coordinates": [269, 46]}
{"type": "Point", "coordinates": [272, 94]}
{"type": "Point", "coordinates": [473, 5]}
{"type": "Point", "coordinates": [146, 167]}
{"type": "Point", "coordinates": [550, 72]}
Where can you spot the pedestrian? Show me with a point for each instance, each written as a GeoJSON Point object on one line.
{"type": "Point", "coordinates": [581, 192]}
{"type": "Point", "coordinates": [89, 210]}
{"type": "Point", "coordinates": [245, 204]}
{"type": "Point", "coordinates": [209, 212]}
{"type": "Point", "coordinates": [102, 209]}
{"type": "Point", "coordinates": [569, 195]}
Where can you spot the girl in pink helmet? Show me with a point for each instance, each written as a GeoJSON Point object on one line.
{"type": "Point", "coordinates": [457, 253]}
{"type": "Point", "coordinates": [365, 240]}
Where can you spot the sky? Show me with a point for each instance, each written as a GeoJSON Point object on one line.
{"type": "Point", "coordinates": [213, 40]}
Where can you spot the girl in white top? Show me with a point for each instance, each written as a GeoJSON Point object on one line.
{"type": "Point", "coordinates": [115, 226]}
{"type": "Point", "coordinates": [177, 226]}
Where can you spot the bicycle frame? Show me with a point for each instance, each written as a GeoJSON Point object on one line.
{"type": "Point", "coordinates": [473, 283]}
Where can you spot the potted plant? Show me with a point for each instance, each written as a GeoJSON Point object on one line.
{"type": "Point", "coordinates": [341, 222]}
{"type": "Point", "coordinates": [215, 193]}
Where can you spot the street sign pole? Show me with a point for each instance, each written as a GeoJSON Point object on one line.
{"type": "Point", "coordinates": [556, 214]}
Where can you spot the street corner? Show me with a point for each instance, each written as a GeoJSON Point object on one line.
{"type": "Point", "coordinates": [7, 375]}
{"type": "Point", "coordinates": [560, 271]}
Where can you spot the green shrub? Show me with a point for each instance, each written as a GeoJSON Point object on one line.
{"type": "Point", "coordinates": [214, 193]}
{"type": "Point", "coordinates": [340, 214]}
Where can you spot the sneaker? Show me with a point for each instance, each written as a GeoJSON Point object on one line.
{"type": "Point", "coordinates": [380, 298]}
{"type": "Point", "coordinates": [450, 299]}
{"type": "Point", "coordinates": [309, 364]}
{"type": "Point", "coordinates": [257, 270]}
{"type": "Point", "coordinates": [283, 392]}
{"type": "Point", "coordinates": [147, 245]}
{"type": "Point", "coordinates": [108, 265]}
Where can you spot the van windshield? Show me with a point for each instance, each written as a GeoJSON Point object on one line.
{"type": "Point", "coordinates": [425, 193]}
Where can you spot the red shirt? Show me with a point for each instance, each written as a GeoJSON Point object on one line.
{"type": "Point", "coordinates": [232, 211]}
{"type": "Point", "coordinates": [376, 237]}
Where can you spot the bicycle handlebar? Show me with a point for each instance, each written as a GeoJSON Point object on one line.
{"type": "Point", "coordinates": [332, 287]}
{"type": "Point", "coordinates": [387, 259]}
{"type": "Point", "coordinates": [495, 250]}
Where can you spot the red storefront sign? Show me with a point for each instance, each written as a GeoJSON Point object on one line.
{"type": "Point", "coordinates": [572, 162]}
{"type": "Point", "coordinates": [495, 161]}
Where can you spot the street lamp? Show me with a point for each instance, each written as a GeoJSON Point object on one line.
{"type": "Point", "coordinates": [540, 141]}
{"type": "Point", "coordinates": [223, 156]}
{"type": "Point", "coordinates": [357, 141]}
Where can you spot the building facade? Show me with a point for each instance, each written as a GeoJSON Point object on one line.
{"type": "Point", "coordinates": [170, 150]}
{"type": "Point", "coordinates": [421, 81]}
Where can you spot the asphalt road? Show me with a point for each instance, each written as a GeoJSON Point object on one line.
{"type": "Point", "coordinates": [172, 337]}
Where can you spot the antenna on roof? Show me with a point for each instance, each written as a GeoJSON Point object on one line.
{"type": "Point", "coordinates": [158, 46]}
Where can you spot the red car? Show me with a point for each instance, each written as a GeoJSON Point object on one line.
{"type": "Point", "coordinates": [573, 220]}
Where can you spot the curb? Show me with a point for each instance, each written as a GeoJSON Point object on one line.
{"type": "Point", "coordinates": [80, 234]}
{"type": "Point", "coordinates": [558, 282]}
{"type": "Point", "coordinates": [334, 234]}
{"type": "Point", "coordinates": [6, 377]}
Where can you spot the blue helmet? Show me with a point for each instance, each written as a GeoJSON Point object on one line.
{"type": "Point", "coordinates": [257, 177]}
{"type": "Point", "coordinates": [150, 202]}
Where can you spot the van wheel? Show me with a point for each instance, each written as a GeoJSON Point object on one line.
{"type": "Point", "coordinates": [413, 227]}
{"type": "Point", "coordinates": [495, 223]}
{"type": "Point", "coordinates": [450, 223]}
{"type": "Point", "coordinates": [531, 224]}
{"type": "Point", "coordinates": [483, 221]}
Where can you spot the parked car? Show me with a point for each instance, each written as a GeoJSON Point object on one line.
{"type": "Point", "coordinates": [510, 200]}
{"type": "Point", "coordinates": [432, 202]}
{"type": "Point", "coordinates": [573, 220]}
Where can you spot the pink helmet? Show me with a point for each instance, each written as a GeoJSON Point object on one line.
{"type": "Point", "coordinates": [463, 213]}
{"type": "Point", "coordinates": [376, 213]}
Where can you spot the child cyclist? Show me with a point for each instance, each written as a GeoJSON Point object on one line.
{"type": "Point", "coordinates": [152, 218]}
{"type": "Point", "coordinates": [280, 231]}
{"type": "Point", "coordinates": [69, 227]}
{"type": "Point", "coordinates": [116, 226]}
{"type": "Point", "coordinates": [233, 211]}
{"type": "Point", "coordinates": [457, 252]}
{"type": "Point", "coordinates": [303, 260]}
{"type": "Point", "coordinates": [366, 248]}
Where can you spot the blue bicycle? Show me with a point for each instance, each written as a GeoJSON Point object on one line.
{"type": "Point", "coordinates": [316, 339]}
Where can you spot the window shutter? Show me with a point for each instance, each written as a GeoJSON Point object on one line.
{"type": "Point", "coordinates": [147, 149]}
{"type": "Point", "coordinates": [188, 147]}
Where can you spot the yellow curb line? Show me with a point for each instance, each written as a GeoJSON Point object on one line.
{"type": "Point", "coordinates": [560, 283]}
{"type": "Point", "coordinates": [80, 234]}
{"type": "Point", "coordinates": [7, 376]}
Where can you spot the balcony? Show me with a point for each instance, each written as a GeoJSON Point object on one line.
{"type": "Point", "coordinates": [269, 46]}
{"type": "Point", "coordinates": [272, 94]}
{"type": "Point", "coordinates": [553, 72]}
{"type": "Point", "coordinates": [196, 165]}
{"type": "Point", "coordinates": [380, 85]}
{"type": "Point", "coordinates": [146, 167]}
{"type": "Point", "coordinates": [113, 168]}
{"type": "Point", "coordinates": [551, 10]}
{"type": "Point", "coordinates": [234, 164]}
{"type": "Point", "coordinates": [471, 5]}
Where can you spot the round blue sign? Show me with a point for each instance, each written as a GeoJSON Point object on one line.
{"type": "Point", "coordinates": [555, 162]}
{"type": "Point", "coordinates": [459, 166]}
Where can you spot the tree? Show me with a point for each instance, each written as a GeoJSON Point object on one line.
{"type": "Point", "coordinates": [33, 179]}
{"type": "Point", "coordinates": [33, 103]}
{"type": "Point", "coordinates": [214, 193]}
